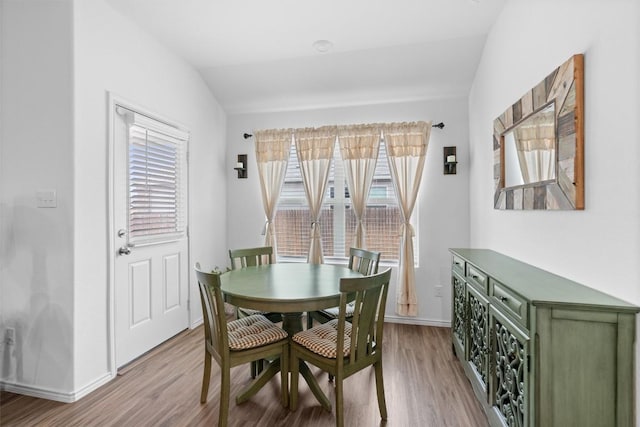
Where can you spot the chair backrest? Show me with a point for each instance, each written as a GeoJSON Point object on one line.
{"type": "Point", "coordinates": [250, 257]}
{"type": "Point", "coordinates": [215, 318]}
{"type": "Point", "coordinates": [369, 294]}
{"type": "Point", "coordinates": [363, 261]}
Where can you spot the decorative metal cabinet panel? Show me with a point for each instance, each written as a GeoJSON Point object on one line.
{"type": "Point", "coordinates": [541, 350]}
{"type": "Point", "coordinates": [459, 326]}
{"type": "Point", "coordinates": [509, 394]}
{"type": "Point", "coordinates": [478, 344]}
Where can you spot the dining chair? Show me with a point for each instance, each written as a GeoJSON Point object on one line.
{"type": "Point", "coordinates": [343, 348]}
{"type": "Point", "coordinates": [361, 260]}
{"type": "Point", "coordinates": [236, 342]}
{"type": "Point", "coordinates": [249, 257]}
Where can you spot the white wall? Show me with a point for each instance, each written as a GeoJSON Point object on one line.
{"type": "Point", "coordinates": [60, 59]}
{"type": "Point", "coordinates": [443, 207]}
{"type": "Point", "coordinates": [599, 246]}
{"type": "Point", "coordinates": [113, 55]}
{"type": "Point", "coordinates": [36, 253]}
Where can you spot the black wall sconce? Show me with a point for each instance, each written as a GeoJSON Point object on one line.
{"type": "Point", "coordinates": [241, 166]}
{"type": "Point", "coordinates": [450, 160]}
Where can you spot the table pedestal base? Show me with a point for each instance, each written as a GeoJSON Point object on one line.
{"type": "Point", "coordinates": [314, 386]}
{"type": "Point", "coordinates": [259, 382]}
{"type": "Point", "coordinates": [292, 323]}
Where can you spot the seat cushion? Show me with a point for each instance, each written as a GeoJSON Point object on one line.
{"type": "Point", "coordinates": [253, 331]}
{"type": "Point", "coordinates": [334, 311]}
{"type": "Point", "coordinates": [250, 312]}
{"type": "Point", "coordinates": [323, 339]}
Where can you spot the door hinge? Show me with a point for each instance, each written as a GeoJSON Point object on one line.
{"type": "Point", "coordinates": [188, 304]}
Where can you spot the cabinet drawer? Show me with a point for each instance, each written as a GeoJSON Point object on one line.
{"type": "Point", "coordinates": [457, 265]}
{"type": "Point", "coordinates": [512, 303]}
{"type": "Point", "coordinates": [477, 278]}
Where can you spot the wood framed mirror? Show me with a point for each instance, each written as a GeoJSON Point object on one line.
{"type": "Point", "coordinates": [538, 144]}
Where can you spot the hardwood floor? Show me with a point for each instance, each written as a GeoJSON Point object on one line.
{"type": "Point", "coordinates": [424, 386]}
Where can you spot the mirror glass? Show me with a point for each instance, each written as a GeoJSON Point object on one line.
{"type": "Point", "coordinates": [538, 144]}
{"type": "Point", "coordinates": [530, 149]}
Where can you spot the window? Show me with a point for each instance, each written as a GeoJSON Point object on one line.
{"type": "Point", "coordinates": [382, 218]}
{"type": "Point", "coordinates": [157, 181]}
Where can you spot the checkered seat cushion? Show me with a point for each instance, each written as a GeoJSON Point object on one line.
{"type": "Point", "coordinates": [323, 339]}
{"type": "Point", "coordinates": [250, 311]}
{"type": "Point", "coordinates": [253, 331]}
{"type": "Point", "coordinates": [334, 311]}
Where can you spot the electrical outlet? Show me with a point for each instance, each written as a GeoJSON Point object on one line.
{"type": "Point", "coordinates": [46, 198]}
{"type": "Point", "coordinates": [10, 336]}
{"type": "Point", "coordinates": [439, 291]}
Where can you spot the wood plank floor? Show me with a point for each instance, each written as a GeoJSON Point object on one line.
{"type": "Point", "coordinates": [424, 386]}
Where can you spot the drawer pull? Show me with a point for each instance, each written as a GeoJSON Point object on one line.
{"type": "Point", "coordinates": [475, 277]}
{"type": "Point", "coordinates": [503, 299]}
{"type": "Point", "coordinates": [457, 263]}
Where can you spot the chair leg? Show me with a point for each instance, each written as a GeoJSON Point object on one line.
{"type": "Point", "coordinates": [382, 405]}
{"type": "Point", "coordinates": [254, 370]}
{"type": "Point", "coordinates": [309, 320]}
{"type": "Point", "coordinates": [225, 391]}
{"type": "Point", "coordinates": [339, 401]}
{"type": "Point", "coordinates": [284, 375]}
{"type": "Point", "coordinates": [295, 371]}
{"type": "Point", "coordinates": [206, 376]}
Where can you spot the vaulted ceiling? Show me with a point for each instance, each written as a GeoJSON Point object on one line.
{"type": "Point", "coordinates": [258, 55]}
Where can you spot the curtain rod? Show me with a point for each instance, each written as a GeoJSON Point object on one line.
{"type": "Point", "coordinates": [437, 125]}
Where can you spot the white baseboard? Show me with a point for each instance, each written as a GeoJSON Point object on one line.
{"type": "Point", "coordinates": [196, 323]}
{"type": "Point", "coordinates": [58, 396]}
{"type": "Point", "coordinates": [417, 321]}
{"type": "Point", "coordinates": [94, 385]}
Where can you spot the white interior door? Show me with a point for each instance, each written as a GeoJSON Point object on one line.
{"type": "Point", "coordinates": [149, 208]}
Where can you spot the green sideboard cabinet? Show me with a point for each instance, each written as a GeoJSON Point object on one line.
{"type": "Point", "coordinates": [541, 350]}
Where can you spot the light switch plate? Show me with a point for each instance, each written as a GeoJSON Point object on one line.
{"type": "Point", "coordinates": [46, 198]}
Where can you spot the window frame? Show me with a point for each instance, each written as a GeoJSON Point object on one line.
{"type": "Point", "coordinates": [333, 199]}
{"type": "Point", "coordinates": [169, 135]}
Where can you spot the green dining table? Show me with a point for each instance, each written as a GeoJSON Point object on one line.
{"type": "Point", "coordinates": [290, 289]}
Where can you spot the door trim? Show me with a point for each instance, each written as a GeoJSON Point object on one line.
{"type": "Point", "coordinates": [113, 101]}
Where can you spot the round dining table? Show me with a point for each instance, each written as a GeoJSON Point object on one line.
{"type": "Point", "coordinates": [290, 289]}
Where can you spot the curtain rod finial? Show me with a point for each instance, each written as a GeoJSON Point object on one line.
{"type": "Point", "coordinates": [438, 125]}
{"type": "Point", "coordinates": [247, 135]}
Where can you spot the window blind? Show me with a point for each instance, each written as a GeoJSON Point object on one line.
{"type": "Point", "coordinates": [157, 180]}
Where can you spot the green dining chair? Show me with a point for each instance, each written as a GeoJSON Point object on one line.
{"type": "Point", "coordinates": [249, 257]}
{"type": "Point", "coordinates": [343, 348]}
{"type": "Point", "coordinates": [236, 342]}
{"type": "Point", "coordinates": [361, 260]}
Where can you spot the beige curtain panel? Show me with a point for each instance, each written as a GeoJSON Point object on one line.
{"type": "Point", "coordinates": [272, 155]}
{"type": "Point", "coordinates": [537, 165]}
{"type": "Point", "coordinates": [359, 145]}
{"type": "Point", "coordinates": [538, 134]}
{"type": "Point", "coordinates": [315, 150]}
{"type": "Point", "coordinates": [536, 147]}
{"type": "Point", "coordinates": [406, 150]}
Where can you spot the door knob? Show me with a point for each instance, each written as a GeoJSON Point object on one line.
{"type": "Point", "coordinates": [124, 250]}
